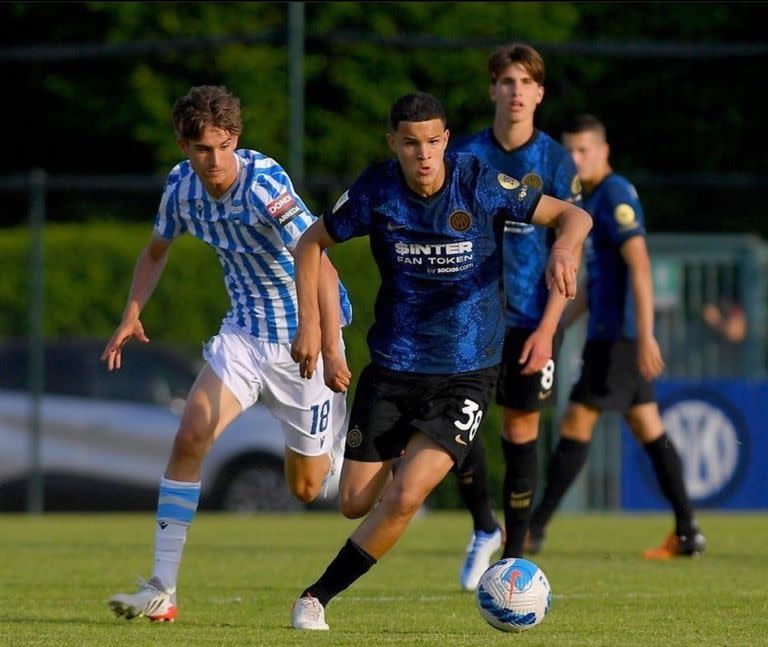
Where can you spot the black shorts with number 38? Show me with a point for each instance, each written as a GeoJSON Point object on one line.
{"type": "Point", "coordinates": [526, 392]}
{"type": "Point", "coordinates": [390, 406]}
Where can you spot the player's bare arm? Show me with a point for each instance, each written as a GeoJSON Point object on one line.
{"type": "Point", "coordinates": [306, 345]}
{"type": "Point", "coordinates": [635, 254]}
{"type": "Point", "coordinates": [147, 272]}
{"type": "Point", "coordinates": [577, 307]}
{"type": "Point", "coordinates": [573, 224]}
{"type": "Point", "coordinates": [336, 373]}
{"type": "Point", "coordinates": [537, 350]}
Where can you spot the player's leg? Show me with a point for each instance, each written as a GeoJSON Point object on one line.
{"type": "Point", "coordinates": [523, 398]}
{"type": "Point", "coordinates": [646, 425]}
{"type": "Point", "coordinates": [361, 486]}
{"type": "Point", "coordinates": [210, 407]}
{"type": "Point", "coordinates": [487, 535]}
{"type": "Point", "coordinates": [425, 464]}
{"type": "Point", "coordinates": [311, 415]}
{"type": "Point", "coordinates": [569, 458]}
{"type": "Point", "coordinates": [519, 438]}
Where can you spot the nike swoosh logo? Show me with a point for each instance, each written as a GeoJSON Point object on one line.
{"type": "Point", "coordinates": [391, 226]}
{"type": "Point", "coordinates": [544, 394]}
{"type": "Point", "coordinates": [458, 439]}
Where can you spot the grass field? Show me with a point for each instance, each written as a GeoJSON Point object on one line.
{"type": "Point", "coordinates": [241, 574]}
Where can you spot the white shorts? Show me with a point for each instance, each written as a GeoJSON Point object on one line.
{"type": "Point", "coordinates": [312, 415]}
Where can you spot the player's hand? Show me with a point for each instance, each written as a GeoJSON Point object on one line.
{"type": "Point", "coordinates": [649, 360]}
{"type": "Point", "coordinates": [537, 351]}
{"type": "Point", "coordinates": [113, 352]}
{"type": "Point", "coordinates": [562, 269]}
{"type": "Point", "coordinates": [336, 373]}
{"type": "Point", "coordinates": [305, 349]}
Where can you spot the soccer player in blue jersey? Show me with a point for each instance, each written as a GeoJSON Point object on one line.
{"type": "Point", "coordinates": [533, 337]}
{"type": "Point", "coordinates": [435, 223]}
{"type": "Point", "coordinates": [243, 204]}
{"type": "Point", "coordinates": [621, 356]}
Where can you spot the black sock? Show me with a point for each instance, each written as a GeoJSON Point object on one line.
{"type": "Point", "coordinates": [522, 470]}
{"type": "Point", "coordinates": [351, 563]}
{"type": "Point", "coordinates": [567, 461]}
{"type": "Point", "coordinates": [669, 473]}
{"type": "Point", "coordinates": [472, 479]}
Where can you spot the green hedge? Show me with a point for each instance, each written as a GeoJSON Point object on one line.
{"type": "Point", "coordinates": [87, 274]}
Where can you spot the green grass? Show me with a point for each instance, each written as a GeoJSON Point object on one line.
{"type": "Point", "coordinates": [240, 575]}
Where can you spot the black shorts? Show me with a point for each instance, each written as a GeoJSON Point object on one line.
{"type": "Point", "coordinates": [390, 406]}
{"type": "Point", "coordinates": [610, 378]}
{"type": "Point", "coordinates": [526, 392]}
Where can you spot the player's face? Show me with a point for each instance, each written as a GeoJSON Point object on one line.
{"type": "Point", "coordinates": [516, 95]}
{"type": "Point", "coordinates": [590, 154]}
{"type": "Point", "coordinates": [420, 149]}
{"type": "Point", "coordinates": [213, 158]}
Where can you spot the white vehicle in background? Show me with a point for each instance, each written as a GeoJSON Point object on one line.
{"type": "Point", "coordinates": [106, 437]}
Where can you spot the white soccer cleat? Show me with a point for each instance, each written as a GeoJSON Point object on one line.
{"type": "Point", "coordinates": [481, 548]}
{"type": "Point", "coordinates": [308, 613]}
{"type": "Point", "coordinates": [152, 600]}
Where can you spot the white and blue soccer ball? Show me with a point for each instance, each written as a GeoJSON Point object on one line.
{"type": "Point", "coordinates": [514, 595]}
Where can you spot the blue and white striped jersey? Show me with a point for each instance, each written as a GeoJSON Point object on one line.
{"type": "Point", "coordinates": [251, 227]}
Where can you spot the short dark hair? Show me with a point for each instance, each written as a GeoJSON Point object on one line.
{"type": "Point", "coordinates": [519, 53]}
{"type": "Point", "coordinates": [585, 123]}
{"type": "Point", "coordinates": [417, 106]}
{"type": "Point", "coordinates": [206, 105]}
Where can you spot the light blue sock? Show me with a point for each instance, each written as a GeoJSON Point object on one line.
{"type": "Point", "coordinates": [176, 507]}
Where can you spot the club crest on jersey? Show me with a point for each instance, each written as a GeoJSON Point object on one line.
{"type": "Point", "coordinates": [507, 181]}
{"type": "Point", "coordinates": [283, 209]}
{"type": "Point", "coordinates": [532, 180]}
{"type": "Point", "coordinates": [624, 215]}
{"type": "Point", "coordinates": [342, 199]}
{"type": "Point", "coordinates": [460, 220]}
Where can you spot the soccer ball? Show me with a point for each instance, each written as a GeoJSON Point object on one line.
{"type": "Point", "coordinates": [514, 595]}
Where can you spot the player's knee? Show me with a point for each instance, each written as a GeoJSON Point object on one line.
{"type": "Point", "coordinates": [305, 488]}
{"type": "Point", "coordinates": [193, 439]}
{"type": "Point", "coordinates": [401, 501]}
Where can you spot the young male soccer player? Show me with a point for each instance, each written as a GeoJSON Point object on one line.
{"type": "Point", "coordinates": [621, 356]}
{"type": "Point", "coordinates": [435, 224]}
{"type": "Point", "coordinates": [242, 203]}
{"type": "Point", "coordinates": [533, 337]}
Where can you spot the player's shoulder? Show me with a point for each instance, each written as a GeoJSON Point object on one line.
{"type": "Point", "coordinates": [259, 163]}
{"type": "Point", "coordinates": [470, 142]}
{"type": "Point", "coordinates": [555, 150]}
{"type": "Point", "coordinates": [177, 175]}
{"type": "Point", "coordinates": [619, 188]}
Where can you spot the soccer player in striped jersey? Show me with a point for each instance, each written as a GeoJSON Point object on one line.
{"type": "Point", "coordinates": [435, 223]}
{"type": "Point", "coordinates": [621, 356]}
{"type": "Point", "coordinates": [527, 381]}
{"type": "Point", "coordinates": [243, 204]}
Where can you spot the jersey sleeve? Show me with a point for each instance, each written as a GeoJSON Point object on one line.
{"type": "Point", "coordinates": [567, 185]}
{"type": "Point", "coordinates": [273, 201]}
{"type": "Point", "coordinates": [168, 223]}
{"type": "Point", "coordinates": [626, 213]}
{"type": "Point", "coordinates": [513, 200]}
{"type": "Point", "coordinates": [351, 215]}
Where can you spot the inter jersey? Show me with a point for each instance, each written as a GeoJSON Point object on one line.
{"type": "Point", "coordinates": [545, 165]}
{"type": "Point", "coordinates": [252, 227]}
{"type": "Point", "coordinates": [617, 216]}
{"type": "Point", "coordinates": [439, 307]}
